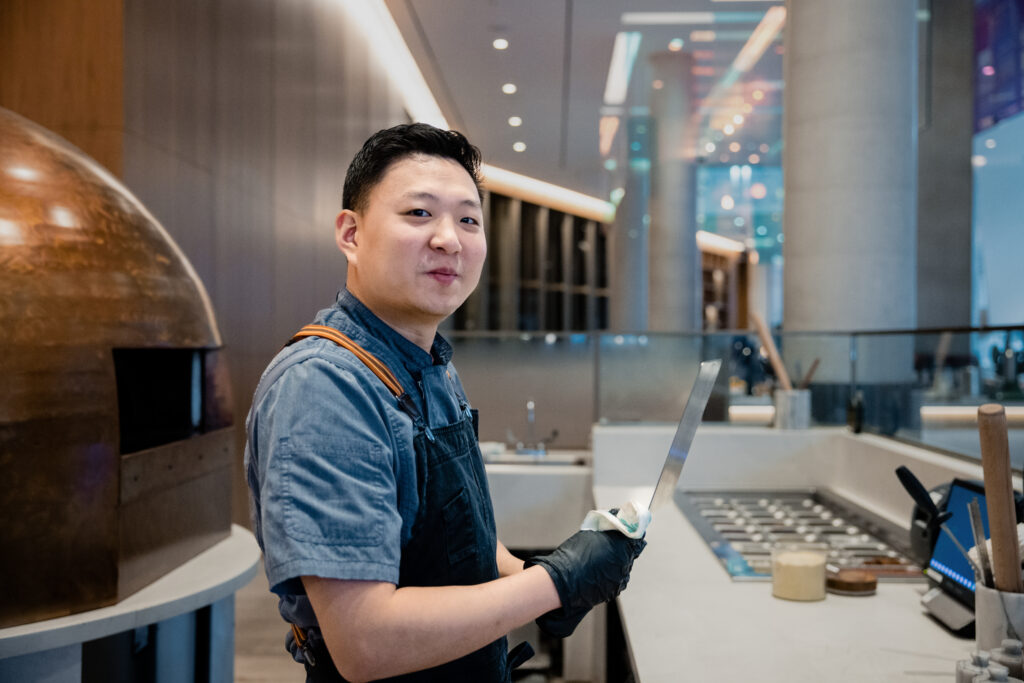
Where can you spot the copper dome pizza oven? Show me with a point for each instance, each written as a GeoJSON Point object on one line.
{"type": "Point", "coordinates": [115, 411]}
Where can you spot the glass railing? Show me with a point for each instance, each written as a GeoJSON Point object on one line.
{"type": "Point", "coordinates": [918, 386]}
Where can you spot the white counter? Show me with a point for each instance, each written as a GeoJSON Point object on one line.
{"type": "Point", "coordinates": [51, 650]}
{"type": "Point", "coordinates": [686, 620]}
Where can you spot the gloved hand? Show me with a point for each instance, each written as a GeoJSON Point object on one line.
{"type": "Point", "coordinates": [589, 568]}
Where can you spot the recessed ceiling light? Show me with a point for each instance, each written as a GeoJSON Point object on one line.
{"type": "Point", "coordinates": [675, 45]}
{"type": "Point", "coordinates": [738, 119]}
{"type": "Point", "coordinates": [734, 146]}
{"type": "Point", "coordinates": [764, 148]}
{"type": "Point", "coordinates": [658, 84]}
{"type": "Point", "coordinates": [709, 147]}
{"type": "Point", "coordinates": [754, 159]}
{"type": "Point", "coordinates": [500, 44]}
{"type": "Point", "coordinates": [702, 36]}
{"type": "Point", "coordinates": [519, 146]}
{"type": "Point", "coordinates": [758, 94]}
{"type": "Point", "coordinates": [990, 143]}
{"type": "Point", "coordinates": [728, 129]}
{"type": "Point", "coordinates": [515, 121]}
{"type": "Point", "coordinates": [509, 88]}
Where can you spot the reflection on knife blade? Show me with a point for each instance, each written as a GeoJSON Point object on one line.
{"type": "Point", "coordinates": [688, 424]}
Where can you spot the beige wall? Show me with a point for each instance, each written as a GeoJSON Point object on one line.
{"type": "Point", "coordinates": [240, 119]}
{"type": "Point", "coordinates": [60, 66]}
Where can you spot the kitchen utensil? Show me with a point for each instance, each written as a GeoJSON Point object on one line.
{"type": "Point", "coordinates": [963, 550]}
{"type": "Point", "coordinates": [978, 530]}
{"type": "Point", "coordinates": [927, 517]}
{"type": "Point", "coordinates": [688, 423]}
{"type": "Point", "coordinates": [1002, 514]}
{"type": "Point", "coordinates": [773, 353]}
{"type": "Point", "coordinates": [806, 381]}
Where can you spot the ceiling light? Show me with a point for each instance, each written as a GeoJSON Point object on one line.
{"type": "Point", "coordinates": [675, 45]}
{"type": "Point", "coordinates": [758, 95]}
{"type": "Point", "coordinates": [509, 88]}
{"type": "Point", "coordinates": [683, 18]}
{"type": "Point", "coordinates": [764, 148]}
{"type": "Point", "coordinates": [702, 36]}
{"type": "Point", "coordinates": [719, 244]}
{"type": "Point", "coordinates": [734, 146]}
{"type": "Point", "coordinates": [658, 84]}
{"type": "Point", "coordinates": [760, 39]}
{"type": "Point", "coordinates": [738, 119]}
{"type": "Point", "coordinates": [627, 44]}
{"type": "Point", "coordinates": [747, 108]}
{"type": "Point", "coordinates": [373, 19]}
{"type": "Point", "coordinates": [610, 164]}
{"type": "Point", "coordinates": [723, 158]}
{"type": "Point", "coordinates": [500, 44]}
{"type": "Point", "coordinates": [990, 143]}
{"type": "Point", "coordinates": [754, 159]}
{"type": "Point", "coordinates": [728, 129]}
{"type": "Point", "coordinates": [519, 146]}
{"type": "Point", "coordinates": [978, 160]}
{"type": "Point", "coordinates": [515, 121]}
{"type": "Point", "coordinates": [709, 148]}
{"type": "Point", "coordinates": [655, 18]}
{"type": "Point", "coordinates": [511, 184]}
{"type": "Point", "coordinates": [606, 129]}
{"type": "Point", "coordinates": [728, 202]}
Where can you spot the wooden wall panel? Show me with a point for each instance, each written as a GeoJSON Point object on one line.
{"type": "Point", "coordinates": [242, 116]}
{"type": "Point", "coordinates": [60, 66]}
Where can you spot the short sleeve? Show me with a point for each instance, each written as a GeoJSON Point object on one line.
{"type": "Point", "coordinates": [326, 478]}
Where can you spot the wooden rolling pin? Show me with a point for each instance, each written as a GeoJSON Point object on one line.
{"type": "Point", "coordinates": [1002, 514]}
{"type": "Point", "coordinates": [773, 353]}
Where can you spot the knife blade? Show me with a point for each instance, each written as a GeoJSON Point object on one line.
{"type": "Point", "coordinates": [978, 531]}
{"type": "Point", "coordinates": [688, 423]}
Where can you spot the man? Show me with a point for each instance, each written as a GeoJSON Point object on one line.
{"type": "Point", "coordinates": [369, 496]}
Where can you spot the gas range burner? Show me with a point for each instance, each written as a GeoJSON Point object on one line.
{"type": "Point", "coordinates": [741, 527]}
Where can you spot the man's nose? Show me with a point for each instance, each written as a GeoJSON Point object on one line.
{"type": "Point", "coordinates": [446, 236]}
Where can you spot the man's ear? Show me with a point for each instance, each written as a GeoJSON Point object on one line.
{"type": "Point", "coordinates": [345, 231]}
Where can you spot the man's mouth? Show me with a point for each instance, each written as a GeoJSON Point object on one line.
{"type": "Point", "coordinates": [443, 275]}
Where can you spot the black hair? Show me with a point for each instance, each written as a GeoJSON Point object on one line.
{"type": "Point", "coordinates": [387, 146]}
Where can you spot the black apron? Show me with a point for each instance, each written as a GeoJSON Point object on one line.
{"type": "Point", "coordinates": [453, 541]}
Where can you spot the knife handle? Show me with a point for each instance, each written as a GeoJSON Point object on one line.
{"type": "Point", "coordinates": [1002, 513]}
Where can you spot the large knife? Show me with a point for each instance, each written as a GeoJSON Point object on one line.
{"type": "Point", "coordinates": [688, 423]}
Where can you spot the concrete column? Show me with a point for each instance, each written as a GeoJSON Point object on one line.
{"type": "Point", "coordinates": [675, 271]}
{"type": "Point", "coordinates": [850, 134]}
{"type": "Point", "coordinates": [944, 168]}
{"type": "Point", "coordinates": [630, 248]}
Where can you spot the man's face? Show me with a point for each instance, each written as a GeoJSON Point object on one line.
{"type": "Point", "coordinates": [417, 247]}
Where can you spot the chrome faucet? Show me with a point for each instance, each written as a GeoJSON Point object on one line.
{"type": "Point", "coordinates": [532, 445]}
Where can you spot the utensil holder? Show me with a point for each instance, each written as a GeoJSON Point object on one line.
{"type": "Point", "coordinates": [792, 408]}
{"type": "Point", "coordinates": [997, 615]}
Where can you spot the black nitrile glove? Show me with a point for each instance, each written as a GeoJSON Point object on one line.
{"type": "Point", "coordinates": [589, 568]}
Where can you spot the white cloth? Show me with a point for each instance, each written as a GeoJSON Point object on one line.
{"type": "Point", "coordinates": [632, 520]}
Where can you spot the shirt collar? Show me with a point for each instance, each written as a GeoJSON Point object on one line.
{"type": "Point", "coordinates": [412, 356]}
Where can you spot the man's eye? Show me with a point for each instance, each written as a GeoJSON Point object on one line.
{"type": "Point", "coordinates": [420, 213]}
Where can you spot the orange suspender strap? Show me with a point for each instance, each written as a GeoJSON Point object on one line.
{"type": "Point", "coordinates": [368, 359]}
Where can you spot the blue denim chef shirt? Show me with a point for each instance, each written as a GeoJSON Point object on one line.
{"type": "Point", "coordinates": [330, 464]}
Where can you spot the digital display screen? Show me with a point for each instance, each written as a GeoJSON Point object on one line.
{"type": "Point", "coordinates": [957, 575]}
